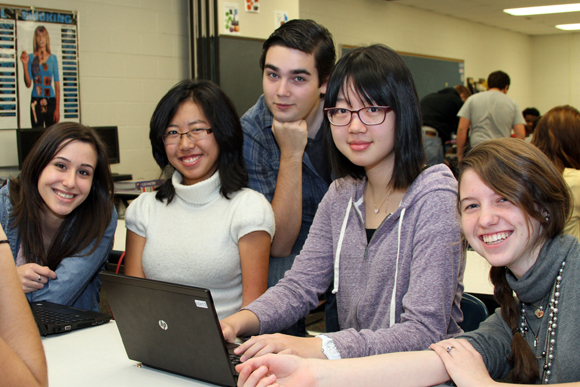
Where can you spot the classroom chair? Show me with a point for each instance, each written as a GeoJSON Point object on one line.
{"type": "Point", "coordinates": [474, 312]}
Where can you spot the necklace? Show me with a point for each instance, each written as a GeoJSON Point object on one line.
{"type": "Point", "coordinates": [539, 312]}
{"type": "Point", "coordinates": [548, 352]}
{"type": "Point", "coordinates": [386, 199]}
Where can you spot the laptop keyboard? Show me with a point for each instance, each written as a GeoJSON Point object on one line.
{"type": "Point", "coordinates": [55, 317]}
{"type": "Point", "coordinates": [234, 359]}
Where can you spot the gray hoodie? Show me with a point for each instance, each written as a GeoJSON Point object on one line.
{"type": "Point", "coordinates": [400, 292]}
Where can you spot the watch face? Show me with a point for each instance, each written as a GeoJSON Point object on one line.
{"type": "Point", "coordinates": [329, 348]}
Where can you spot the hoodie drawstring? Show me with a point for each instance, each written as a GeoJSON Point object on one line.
{"type": "Point", "coordinates": [339, 247]}
{"type": "Point", "coordinates": [393, 296]}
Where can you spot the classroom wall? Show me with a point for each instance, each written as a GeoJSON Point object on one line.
{"type": "Point", "coordinates": [484, 49]}
{"type": "Point", "coordinates": [555, 71]}
{"type": "Point", "coordinates": [259, 24]}
{"type": "Point", "coordinates": [131, 52]}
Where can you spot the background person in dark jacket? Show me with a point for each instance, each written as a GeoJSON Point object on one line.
{"type": "Point", "coordinates": [440, 120]}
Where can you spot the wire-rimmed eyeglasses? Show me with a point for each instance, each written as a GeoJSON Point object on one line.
{"type": "Point", "coordinates": [369, 115]}
{"type": "Point", "coordinates": [173, 137]}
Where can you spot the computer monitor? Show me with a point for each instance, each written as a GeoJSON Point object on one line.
{"type": "Point", "coordinates": [110, 136]}
{"type": "Point", "coordinates": [25, 140]}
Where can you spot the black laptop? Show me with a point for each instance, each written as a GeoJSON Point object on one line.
{"type": "Point", "coordinates": [55, 318]}
{"type": "Point", "coordinates": [171, 327]}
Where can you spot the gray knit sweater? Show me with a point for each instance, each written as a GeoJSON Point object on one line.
{"type": "Point", "coordinates": [493, 338]}
{"type": "Point", "coordinates": [415, 253]}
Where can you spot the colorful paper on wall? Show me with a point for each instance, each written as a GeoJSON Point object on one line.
{"type": "Point", "coordinates": [280, 17]}
{"type": "Point", "coordinates": [253, 6]}
{"type": "Point", "coordinates": [231, 18]}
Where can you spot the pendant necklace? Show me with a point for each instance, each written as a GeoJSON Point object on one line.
{"type": "Point", "coordinates": [386, 199]}
{"type": "Point", "coordinates": [539, 312]}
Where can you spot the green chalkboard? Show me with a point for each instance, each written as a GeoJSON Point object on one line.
{"type": "Point", "coordinates": [433, 74]}
{"type": "Point", "coordinates": [241, 78]}
{"type": "Point", "coordinates": [239, 70]}
{"type": "Point", "coordinates": [429, 73]}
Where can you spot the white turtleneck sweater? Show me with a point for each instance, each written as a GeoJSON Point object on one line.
{"type": "Point", "coordinates": [194, 239]}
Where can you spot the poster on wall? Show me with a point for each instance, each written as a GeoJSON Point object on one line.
{"type": "Point", "coordinates": [8, 96]}
{"type": "Point", "coordinates": [232, 18]}
{"type": "Point", "coordinates": [47, 67]}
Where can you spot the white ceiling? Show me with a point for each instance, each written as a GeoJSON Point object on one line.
{"type": "Point", "coordinates": [490, 12]}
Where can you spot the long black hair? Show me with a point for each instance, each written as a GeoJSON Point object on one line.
{"type": "Point", "coordinates": [379, 76]}
{"type": "Point", "coordinates": [225, 122]}
{"type": "Point", "coordinates": [76, 231]}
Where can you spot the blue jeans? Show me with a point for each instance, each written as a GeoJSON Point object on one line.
{"type": "Point", "coordinates": [433, 148]}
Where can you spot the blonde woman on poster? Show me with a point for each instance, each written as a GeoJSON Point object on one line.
{"type": "Point", "coordinates": [40, 68]}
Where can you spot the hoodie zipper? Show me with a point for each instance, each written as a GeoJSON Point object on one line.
{"type": "Point", "coordinates": [365, 260]}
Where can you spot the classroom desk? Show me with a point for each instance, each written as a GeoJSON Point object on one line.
{"type": "Point", "coordinates": [96, 357]}
{"type": "Point", "coordinates": [120, 236]}
{"type": "Point", "coordinates": [476, 276]}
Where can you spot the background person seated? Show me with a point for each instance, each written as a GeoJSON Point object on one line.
{"type": "Point", "coordinates": [557, 134]}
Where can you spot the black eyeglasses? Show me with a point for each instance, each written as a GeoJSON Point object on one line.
{"type": "Point", "coordinates": [173, 137]}
{"type": "Point", "coordinates": [369, 115]}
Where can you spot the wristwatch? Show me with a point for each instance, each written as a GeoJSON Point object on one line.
{"type": "Point", "coordinates": [328, 348]}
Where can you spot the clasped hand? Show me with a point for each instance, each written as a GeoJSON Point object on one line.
{"type": "Point", "coordinates": [291, 137]}
{"type": "Point", "coordinates": [34, 277]}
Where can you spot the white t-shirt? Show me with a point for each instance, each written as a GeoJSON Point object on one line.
{"type": "Point", "coordinates": [492, 114]}
{"type": "Point", "coordinates": [194, 239]}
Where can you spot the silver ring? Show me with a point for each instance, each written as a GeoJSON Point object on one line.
{"type": "Point", "coordinates": [39, 278]}
{"type": "Point", "coordinates": [449, 348]}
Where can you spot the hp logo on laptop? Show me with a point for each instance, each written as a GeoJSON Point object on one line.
{"type": "Point", "coordinates": [163, 325]}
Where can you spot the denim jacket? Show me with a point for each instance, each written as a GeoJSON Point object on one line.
{"type": "Point", "coordinates": [77, 280]}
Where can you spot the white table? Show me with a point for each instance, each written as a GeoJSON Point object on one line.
{"type": "Point", "coordinates": [96, 357]}
{"type": "Point", "coordinates": [476, 276]}
{"type": "Point", "coordinates": [120, 236]}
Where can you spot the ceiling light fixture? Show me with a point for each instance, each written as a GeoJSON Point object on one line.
{"type": "Point", "coordinates": [569, 27]}
{"type": "Point", "coordinates": [543, 10]}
